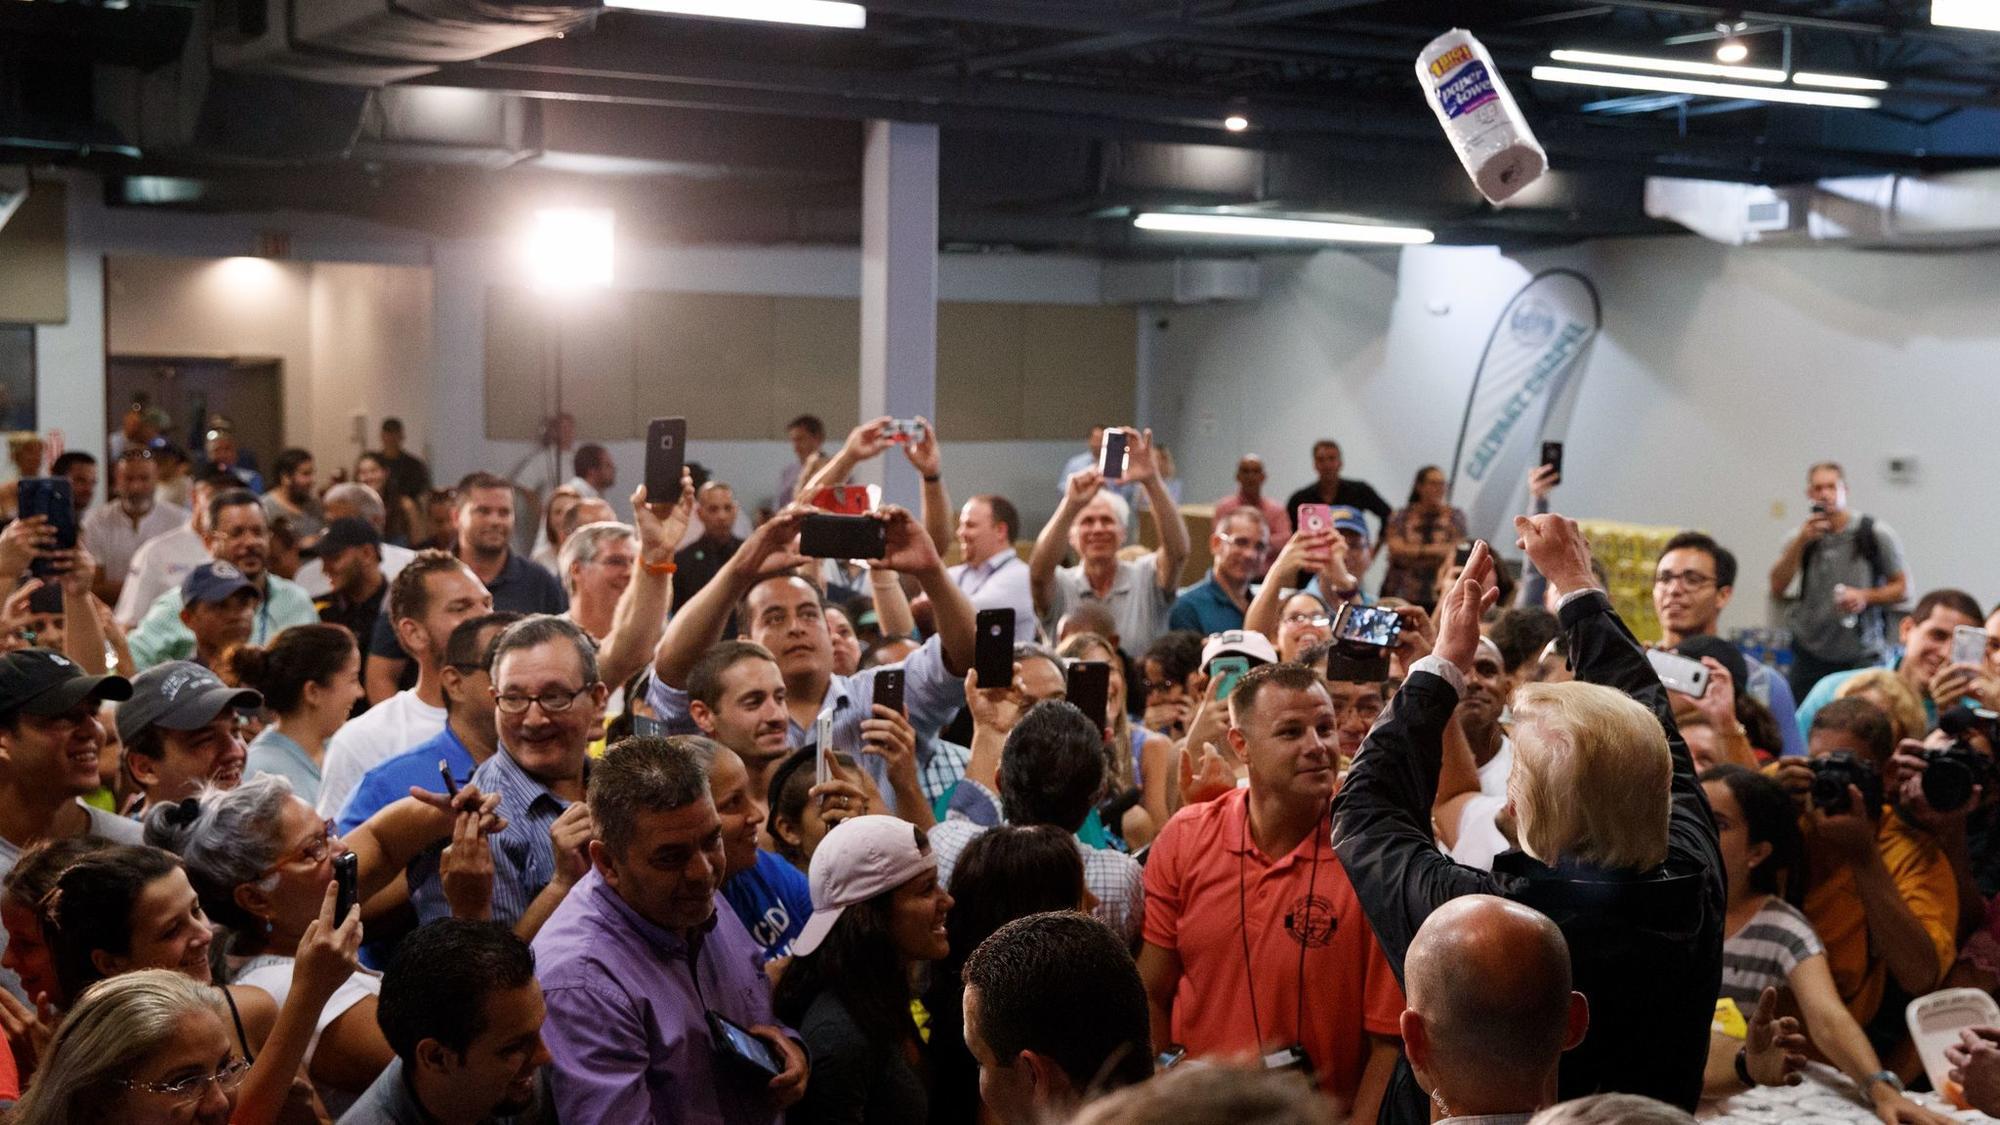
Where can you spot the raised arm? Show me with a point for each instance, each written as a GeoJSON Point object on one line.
{"type": "Point", "coordinates": [910, 551]}
{"type": "Point", "coordinates": [1141, 468]}
{"type": "Point", "coordinates": [892, 605]}
{"type": "Point", "coordinates": [699, 623]}
{"type": "Point", "coordinates": [83, 633]}
{"type": "Point", "coordinates": [934, 505]}
{"type": "Point", "coordinates": [864, 443]}
{"type": "Point", "coordinates": [641, 613]}
{"type": "Point", "coordinates": [1305, 552]}
{"type": "Point", "coordinates": [1053, 542]}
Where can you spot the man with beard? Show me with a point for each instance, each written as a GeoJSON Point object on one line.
{"type": "Point", "coordinates": [183, 729]}
{"type": "Point", "coordinates": [237, 535]}
{"type": "Point", "coordinates": [461, 1009]}
{"type": "Point", "coordinates": [293, 498]}
{"type": "Point", "coordinates": [1692, 584]}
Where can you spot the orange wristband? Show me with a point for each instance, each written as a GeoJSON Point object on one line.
{"type": "Point", "coordinates": [667, 567]}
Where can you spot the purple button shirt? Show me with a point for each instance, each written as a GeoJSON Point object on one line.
{"type": "Point", "coordinates": [625, 1003]}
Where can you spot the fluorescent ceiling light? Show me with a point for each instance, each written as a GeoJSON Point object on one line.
{"type": "Point", "coordinates": [1252, 226]}
{"type": "Point", "coordinates": [1670, 66]}
{"type": "Point", "coordinates": [812, 13]}
{"type": "Point", "coordinates": [1838, 81]}
{"type": "Point", "coordinates": [1981, 14]}
{"type": "Point", "coordinates": [1665, 85]}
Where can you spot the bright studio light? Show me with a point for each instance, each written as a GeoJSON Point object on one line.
{"type": "Point", "coordinates": [810, 13]}
{"type": "Point", "coordinates": [1236, 123]}
{"type": "Point", "coordinates": [1732, 51]}
{"type": "Point", "coordinates": [1662, 84]}
{"type": "Point", "coordinates": [1251, 226]}
{"type": "Point", "coordinates": [1670, 66]}
{"type": "Point", "coordinates": [569, 248]}
{"type": "Point", "coordinates": [1982, 15]}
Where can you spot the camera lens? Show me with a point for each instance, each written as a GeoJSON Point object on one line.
{"type": "Point", "coordinates": [1947, 781]}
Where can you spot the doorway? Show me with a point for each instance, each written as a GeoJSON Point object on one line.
{"type": "Point", "coordinates": [247, 390]}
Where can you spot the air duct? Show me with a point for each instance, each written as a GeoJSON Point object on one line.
{"type": "Point", "coordinates": [1952, 211]}
{"type": "Point", "coordinates": [376, 42]}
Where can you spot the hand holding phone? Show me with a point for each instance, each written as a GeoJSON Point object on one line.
{"type": "Point", "coordinates": [823, 761]}
{"type": "Point", "coordinates": [993, 648]}
{"type": "Point", "coordinates": [1679, 673]}
{"type": "Point", "coordinates": [1552, 456]}
{"type": "Point", "coordinates": [1315, 517]}
{"type": "Point", "coordinates": [1227, 670]}
{"type": "Point", "coordinates": [889, 689]}
{"type": "Point", "coordinates": [1111, 459]}
{"type": "Point", "coordinates": [1968, 646]}
{"type": "Point", "coordinates": [450, 782]}
{"type": "Point", "coordinates": [666, 453]}
{"type": "Point", "coordinates": [346, 875]}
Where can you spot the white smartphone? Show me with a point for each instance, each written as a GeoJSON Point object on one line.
{"type": "Point", "coordinates": [1678, 673]}
{"type": "Point", "coordinates": [823, 760]}
{"type": "Point", "coordinates": [1968, 645]}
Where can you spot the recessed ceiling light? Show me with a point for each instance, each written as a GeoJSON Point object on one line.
{"type": "Point", "coordinates": [1236, 123]}
{"type": "Point", "coordinates": [1255, 226]}
{"type": "Point", "coordinates": [1660, 83]}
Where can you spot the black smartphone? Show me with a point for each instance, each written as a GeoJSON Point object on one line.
{"type": "Point", "coordinates": [735, 1043]}
{"type": "Point", "coordinates": [450, 782]}
{"type": "Point", "coordinates": [1367, 625]}
{"type": "Point", "coordinates": [1111, 462]}
{"type": "Point", "coordinates": [1552, 455]}
{"type": "Point", "coordinates": [889, 689]}
{"type": "Point", "coordinates": [1463, 555]}
{"type": "Point", "coordinates": [346, 865]}
{"type": "Point", "coordinates": [843, 537]}
{"type": "Point", "coordinates": [666, 452]}
{"type": "Point", "coordinates": [48, 600]}
{"type": "Point", "coordinates": [993, 650]}
{"type": "Point", "coordinates": [1088, 685]}
{"type": "Point", "coordinates": [50, 497]}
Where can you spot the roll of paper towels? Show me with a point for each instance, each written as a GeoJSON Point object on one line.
{"type": "Point", "coordinates": [1486, 128]}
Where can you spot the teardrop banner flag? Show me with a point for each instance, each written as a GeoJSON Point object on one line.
{"type": "Point", "coordinates": [1522, 395]}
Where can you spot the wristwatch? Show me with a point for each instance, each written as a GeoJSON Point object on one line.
{"type": "Point", "coordinates": [1886, 1077]}
{"type": "Point", "coordinates": [1743, 1067]}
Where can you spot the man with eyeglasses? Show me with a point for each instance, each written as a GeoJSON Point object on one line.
{"type": "Point", "coordinates": [1692, 584]}
{"type": "Point", "coordinates": [548, 705]}
{"type": "Point", "coordinates": [1217, 602]}
{"type": "Point", "coordinates": [183, 729]}
{"type": "Point", "coordinates": [239, 536]}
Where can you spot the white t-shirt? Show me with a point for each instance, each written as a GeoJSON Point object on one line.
{"type": "Point", "coordinates": [1479, 837]}
{"type": "Point", "coordinates": [1493, 775]}
{"type": "Point", "coordinates": [273, 974]}
{"type": "Point", "coordinates": [158, 566]}
{"type": "Point", "coordinates": [382, 732]}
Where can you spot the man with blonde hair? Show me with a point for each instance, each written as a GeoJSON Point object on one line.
{"type": "Point", "coordinates": [1618, 847]}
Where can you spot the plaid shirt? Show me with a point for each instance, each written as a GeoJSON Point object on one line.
{"type": "Point", "coordinates": [524, 858]}
{"type": "Point", "coordinates": [1116, 879]}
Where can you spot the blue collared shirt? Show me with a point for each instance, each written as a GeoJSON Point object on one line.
{"type": "Point", "coordinates": [1000, 582]}
{"type": "Point", "coordinates": [388, 782]}
{"type": "Point", "coordinates": [626, 1030]}
{"type": "Point", "coordinates": [524, 858]}
{"type": "Point", "coordinates": [1206, 608]}
{"type": "Point", "coordinates": [931, 695]}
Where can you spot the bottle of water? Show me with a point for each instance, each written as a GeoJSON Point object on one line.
{"type": "Point", "coordinates": [1847, 620]}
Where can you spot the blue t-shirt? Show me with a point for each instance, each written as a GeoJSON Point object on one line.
{"type": "Point", "coordinates": [773, 901]}
{"type": "Point", "coordinates": [390, 781]}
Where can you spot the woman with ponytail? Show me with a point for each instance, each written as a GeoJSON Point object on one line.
{"type": "Point", "coordinates": [310, 676]}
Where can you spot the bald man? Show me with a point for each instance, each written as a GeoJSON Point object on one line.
{"type": "Point", "coordinates": [1250, 494]}
{"type": "Point", "coordinates": [1490, 1010]}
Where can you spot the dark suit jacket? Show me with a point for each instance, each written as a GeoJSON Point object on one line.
{"type": "Point", "coordinates": [1645, 946]}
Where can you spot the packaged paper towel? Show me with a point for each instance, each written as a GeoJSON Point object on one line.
{"type": "Point", "coordinates": [1493, 140]}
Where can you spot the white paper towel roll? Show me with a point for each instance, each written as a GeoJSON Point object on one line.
{"type": "Point", "coordinates": [1486, 128]}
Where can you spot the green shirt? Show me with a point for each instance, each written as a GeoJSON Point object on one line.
{"type": "Point", "coordinates": [160, 636]}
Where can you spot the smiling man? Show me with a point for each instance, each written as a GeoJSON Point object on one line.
{"type": "Point", "coordinates": [993, 575]}
{"type": "Point", "coordinates": [736, 696]}
{"type": "Point", "coordinates": [238, 535]}
{"type": "Point", "coordinates": [182, 730]}
{"type": "Point", "coordinates": [1254, 939]}
{"type": "Point", "coordinates": [461, 1009]}
{"type": "Point", "coordinates": [1693, 583]}
{"type": "Point", "coordinates": [1217, 603]}
{"type": "Point", "coordinates": [1926, 665]}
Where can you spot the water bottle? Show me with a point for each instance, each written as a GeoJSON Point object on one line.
{"type": "Point", "coordinates": [1847, 620]}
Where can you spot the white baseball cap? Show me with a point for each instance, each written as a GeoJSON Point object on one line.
{"type": "Point", "coordinates": [1239, 642]}
{"type": "Point", "coordinates": [860, 858]}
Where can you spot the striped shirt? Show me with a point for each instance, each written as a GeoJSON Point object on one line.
{"type": "Point", "coordinates": [1113, 878]}
{"type": "Point", "coordinates": [524, 858]}
{"type": "Point", "coordinates": [1765, 951]}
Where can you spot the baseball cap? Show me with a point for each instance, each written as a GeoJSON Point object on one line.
{"type": "Point", "coordinates": [345, 532]}
{"type": "Point", "coordinates": [179, 695]}
{"type": "Point", "coordinates": [214, 582]}
{"type": "Point", "coordinates": [39, 681]}
{"type": "Point", "coordinates": [1239, 642]}
{"type": "Point", "coordinates": [860, 858]}
{"type": "Point", "coordinates": [1347, 518]}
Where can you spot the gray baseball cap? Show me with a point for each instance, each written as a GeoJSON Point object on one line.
{"type": "Point", "coordinates": [179, 695]}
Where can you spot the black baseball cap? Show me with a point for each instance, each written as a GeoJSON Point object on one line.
{"type": "Point", "coordinates": [1726, 654]}
{"type": "Point", "coordinates": [40, 681]}
{"type": "Point", "coordinates": [346, 532]}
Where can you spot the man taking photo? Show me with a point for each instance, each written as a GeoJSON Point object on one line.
{"type": "Point", "coordinates": [1850, 571]}
{"type": "Point", "coordinates": [1693, 582]}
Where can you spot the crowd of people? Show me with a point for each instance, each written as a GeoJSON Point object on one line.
{"type": "Point", "coordinates": [361, 800]}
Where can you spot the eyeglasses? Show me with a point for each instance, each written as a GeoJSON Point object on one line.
{"type": "Point", "coordinates": [190, 1090]}
{"type": "Point", "coordinates": [314, 852]}
{"type": "Point", "coordinates": [1245, 543]}
{"type": "Point", "coordinates": [1690, 580]}
{"type": "Point", "coordinates": [1158, 687]}
{"type": "Point", "coordinates": [553, 702]}
{"type": "Point", "coordinates": [1316, 620]}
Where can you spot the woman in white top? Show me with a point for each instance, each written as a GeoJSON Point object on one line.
{"type": "Point", "coordinates": [1770, 944]}
{"type": "Point", "coordinates": [261, 859]}
{"type": "Point", "coordinates": [310, 676]}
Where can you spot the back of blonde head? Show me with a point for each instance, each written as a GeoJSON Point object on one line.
{"type": "Point", "coordinates": [1591, 776]}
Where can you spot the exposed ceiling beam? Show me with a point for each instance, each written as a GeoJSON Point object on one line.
{"type": "Point", "coordinates": [1712, 12]}
{"type": "Point", "coordinates": [1150, 30]}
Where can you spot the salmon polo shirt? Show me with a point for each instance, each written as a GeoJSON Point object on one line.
{"type": "Point", "coordinates": [1297, 903]}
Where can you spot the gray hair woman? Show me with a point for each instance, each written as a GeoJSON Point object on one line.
{"type": "Point", "coordinates": [261, 859]}
{"type": "Point", "coordinates": [148, 1048]}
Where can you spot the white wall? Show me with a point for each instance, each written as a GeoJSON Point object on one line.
{"type": "Point", "coordinates": [1721, 373]}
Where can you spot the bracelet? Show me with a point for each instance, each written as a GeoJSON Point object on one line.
{"type": "Point", "coordinates": [931, 478]}
{"type": "Point", "coordinates": [1743, 1067]}
{"type": "Point", "coordinates": [659, 568]}
{"type": "Point", "coordinates": [1886, 1077]}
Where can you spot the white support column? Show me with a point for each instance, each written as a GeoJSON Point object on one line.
{"type": "Point", "coordinates": [899, 235]}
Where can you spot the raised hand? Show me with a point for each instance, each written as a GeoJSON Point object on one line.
{"type": "Point", "coordinates": [23, 540]}
{"type": "Point", "coordinates": [329, 950]}
{"type": "Point", "coordinates": [28, 1029]}
{"type": "Point", "coordinates": [1542, 480]}
{"type": "Point", "coordinates": [1082, 486]}
{"type": "Point", "coordinates": [922, 450]}
{"type": "Point", "coordinates": [1558, 549]}
{"type": "Point", "coordinates": [570, 836]}
{"type": "Point", "coordinates": [909, 548]}
{"type": "Point", "coordinates": [889, 736]}
{"type": "Point", "coordinates": [1208, 779]}
{"type": "Point", "coordinates": [1462, 608]}
{"type": "Point", "coordinates": [465, 870]}
{"type": "Point", "coordinates": [1140, 463]}
{"type": "Point", "coordinates": [661, 526]}
{"type": "Point", "coordinates": [1307, 551]}
{"type": "Point", "coordinates": [1775, 1047]}
{"type": "Point", "coordinates": [994, 709]}
{"type": "Point", "coordinates": [867, 441]}
{"type": "Point", "coordinates": [773, 547]}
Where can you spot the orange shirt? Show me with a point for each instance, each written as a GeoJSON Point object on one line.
{"type": "Point", "coordinates": [1198, 863]}
{"type": "Point", "coordinates": [1833, 905]}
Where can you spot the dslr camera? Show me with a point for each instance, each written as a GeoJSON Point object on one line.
{"type": "Point", "coordinates": [1832, 775]}
{"type": "Point", "coordinates": [1950, 773]}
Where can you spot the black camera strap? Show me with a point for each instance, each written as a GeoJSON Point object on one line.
{"type": "Point", "coordinates": [1299, 934]}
